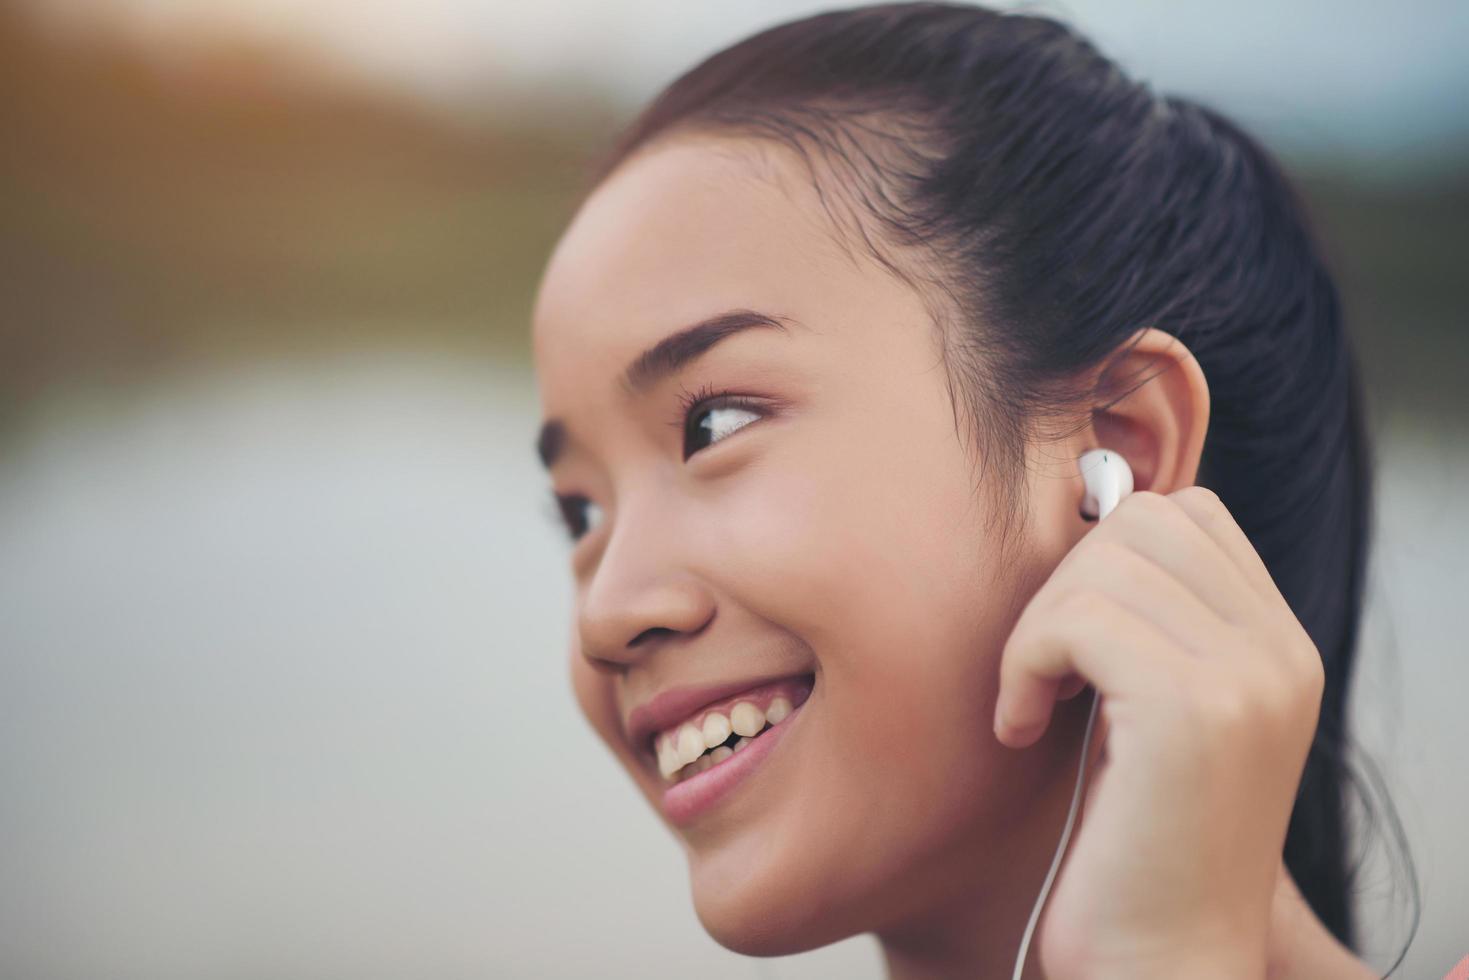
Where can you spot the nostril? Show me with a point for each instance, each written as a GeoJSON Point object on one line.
{"type": "Point", "coordinates": [651, 631]}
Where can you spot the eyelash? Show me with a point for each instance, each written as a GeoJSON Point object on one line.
{"type": "Point", "coordinates": [562, 511]}
{"type": "Point", "coordinates": [564, 508]}
{"type": "Point", "coordinates": [688, 401]}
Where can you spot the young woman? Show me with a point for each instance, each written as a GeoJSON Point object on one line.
{"type": "Point", "coordinates": [818, 356]}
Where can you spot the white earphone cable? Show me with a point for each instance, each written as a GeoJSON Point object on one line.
{"type": "Point", "coordinates": [1105, 504]}
{"type": "Point", "coordinates": [1040, 902]}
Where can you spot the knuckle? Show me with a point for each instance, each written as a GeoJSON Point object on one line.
{"type": "Point", "coordinates": [1226, 708]}
{"type": "Point", "coordinates": [1202, 505]}
{"type": "Point", "coordinates": [1240, 706]}
{"type": "Point", "coordinates": [1313, 685]}
{"type": "Point", "coordinates": [1313, 668]}
{"type": "Point", "coordinates": [1317, 686]}
{"type": "Point", "coordinates": [1286, 699]}
{"type": "Point", "coordinates": [1304, 660]}
{"type": "Point", "coordinates": [1145, 502]}
{"type": "Point", "coordinates": [1203, 497]}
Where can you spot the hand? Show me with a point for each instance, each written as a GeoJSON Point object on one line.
{"type": "Point", "coordinates": [1301, 947]}
{"type": "Point", "coordinates": [1210, 693]}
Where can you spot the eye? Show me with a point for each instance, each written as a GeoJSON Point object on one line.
{"type": "Point", "coordinates": [579, 514]}
{"type": "Point", "coordinates": [709, 416]}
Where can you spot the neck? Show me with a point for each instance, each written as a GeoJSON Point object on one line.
{"type": "Point", "coordinates": [977, 932]}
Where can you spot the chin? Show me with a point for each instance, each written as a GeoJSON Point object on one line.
{"type": "Point", "coordinates": [767, 909]}
{"type": "Point", "coordinates": [756, 926]}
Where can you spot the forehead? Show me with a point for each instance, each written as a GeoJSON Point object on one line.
{"type": "Point", "coordinates": [687, 228]}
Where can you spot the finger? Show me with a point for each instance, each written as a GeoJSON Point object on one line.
{"type": "Point", "coordinates": [1148, 589]}
{"type": "Point", "coordinates": [1122, 654]}
{"type": "Point", "coordinates": [1158, 528]}
{"type": "Point", "coordinates": [1205, 509]}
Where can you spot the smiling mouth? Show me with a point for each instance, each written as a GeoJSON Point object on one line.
{"type": "Point", "coordinates": [713, 735]}
{"type": "Point", "coordinates": [716, 755]}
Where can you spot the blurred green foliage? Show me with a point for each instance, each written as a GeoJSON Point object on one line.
{"type": "Point", "coordinates": [159, 210]}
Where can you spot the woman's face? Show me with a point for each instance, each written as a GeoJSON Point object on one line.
{"type": "Point", "coordinates": [825, 526]}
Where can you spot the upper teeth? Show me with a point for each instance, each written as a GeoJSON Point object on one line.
{"type": "Point", "coordinates": [685, 744]}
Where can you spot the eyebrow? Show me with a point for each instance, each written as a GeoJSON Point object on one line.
{"type": "Point", "coordinates": [665, 358]}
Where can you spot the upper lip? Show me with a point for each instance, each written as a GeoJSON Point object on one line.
{"type": "Point", "coordinates": [673, 705]}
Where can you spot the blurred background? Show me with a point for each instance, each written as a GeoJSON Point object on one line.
{"type": "Point", "coordinates": [283, 610]}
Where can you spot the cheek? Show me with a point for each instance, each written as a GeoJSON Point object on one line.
{"type": "Point", "coordinates": [878, 561]}
{"type": "Point", "coordinates": [813, 538]}
{"type": "Point", "coordinates": [875, 555]}
{"type": "Point", "coordinates": [883, 570]}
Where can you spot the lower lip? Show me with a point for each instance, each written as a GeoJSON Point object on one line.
{"type": "Point", "coordinates": [687, 800]}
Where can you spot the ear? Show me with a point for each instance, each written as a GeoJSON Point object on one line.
{"type": "Point", "coordinates": [1151, 404]}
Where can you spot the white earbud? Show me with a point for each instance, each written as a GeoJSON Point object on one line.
{"type": "Point", "coordinates": [1108, 479]}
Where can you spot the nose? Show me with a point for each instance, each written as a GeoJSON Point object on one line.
{"type": "Point", "coordinates": [641, 593]}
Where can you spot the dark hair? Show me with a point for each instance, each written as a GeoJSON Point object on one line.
{"type": "Point", "coordinates": [1047, 207]}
